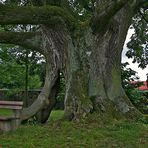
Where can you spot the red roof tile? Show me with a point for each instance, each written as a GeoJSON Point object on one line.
{"type": "Point", "coordinates": [144, 86]}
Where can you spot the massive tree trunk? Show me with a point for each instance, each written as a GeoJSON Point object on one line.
{"type": "Point", "coordinates": [94, 83]}
{"type": "Point", "coordinates": [88, 54]}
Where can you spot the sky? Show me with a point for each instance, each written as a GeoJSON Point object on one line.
{"type": "Point", "coordinates": [134, 66]}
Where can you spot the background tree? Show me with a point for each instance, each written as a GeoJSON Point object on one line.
{"type": "Point", "coordinates": [138, 45]}
{"type": "Point", "coordinates": [13, 69]}
{"type": "Point", "coordinates": [130, 83]}
{"type": "Point", "coordinates": [84, 40]}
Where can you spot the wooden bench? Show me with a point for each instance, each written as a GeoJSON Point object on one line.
{"type": "Point", "coordinates": [10, 122]}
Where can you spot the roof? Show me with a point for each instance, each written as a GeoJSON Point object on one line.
{"type": "Point", "coordinates": [144, 86]}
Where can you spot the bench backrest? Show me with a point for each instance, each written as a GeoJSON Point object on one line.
{"type": "Point", "coordinates": [11, 104]}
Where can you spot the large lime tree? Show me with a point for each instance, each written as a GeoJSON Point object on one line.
{"type": "Point", "coordinates": [83, 39]}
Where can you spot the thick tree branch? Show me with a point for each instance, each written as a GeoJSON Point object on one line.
{"type": "Point", "coordinates": [43, 100]}
{"type": "Point", "coordinates": [48, 15]}
{"type": "Point", "coordinates": [109, 7]}
{"type": "Point", "coordinates": [26, 39]}
{"type": "Point", "coordinates": [105, 10]}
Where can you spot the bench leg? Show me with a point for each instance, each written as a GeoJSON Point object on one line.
{"type": "Point", "coordinates": [5, 126]}
{"type": "Point", "coordinates": [9, 125]}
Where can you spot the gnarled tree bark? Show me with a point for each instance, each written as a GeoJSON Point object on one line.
{"type": "Point", "coordinates": [90, 59]}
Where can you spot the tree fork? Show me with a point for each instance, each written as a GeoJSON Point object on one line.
{"type": "Point", "coordinates": [107, 10]}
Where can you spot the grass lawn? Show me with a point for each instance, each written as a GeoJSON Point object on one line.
{"type": "Point", "coordinates": [57, 134]}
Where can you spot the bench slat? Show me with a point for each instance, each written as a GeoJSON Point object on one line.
{"type": "Point", "coordinates": [11, 107]}
{"type": "Point", "coordinates": [3, 118]}
{"type": "Point", "coordinates": [17, 103]}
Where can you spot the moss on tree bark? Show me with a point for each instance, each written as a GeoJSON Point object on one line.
{"type": "Point", "coordinates": [89, 58]}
